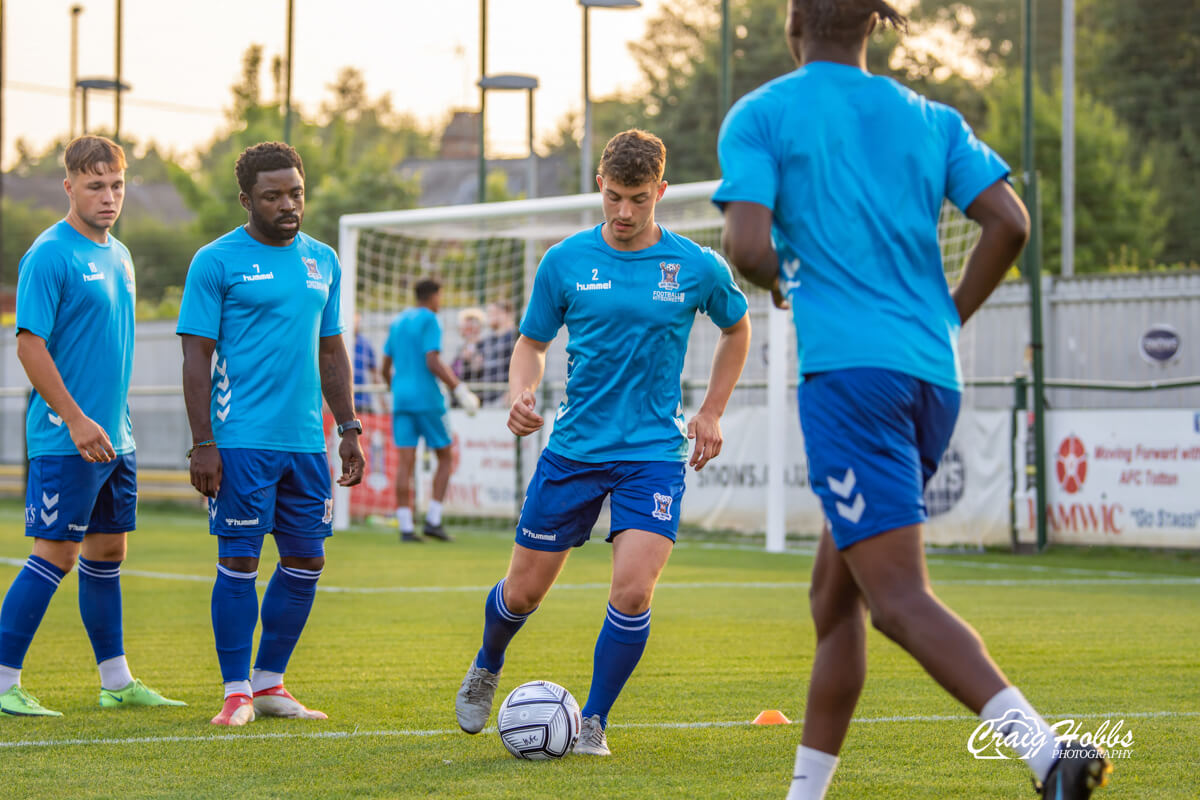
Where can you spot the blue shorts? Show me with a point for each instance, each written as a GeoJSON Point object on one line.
{"type": "Point", "coordinates": [251, 546]}
{"type": "Point", "coordinates": [874, 438]}
{"type": "Point", "coordinates": [432, 426]}
{"type": "Point", "coordinates": [67, 497]}
{"type": "Point", "coordinates": [564, 499]}
{"type": "Point", "coordinates": [265, 491]}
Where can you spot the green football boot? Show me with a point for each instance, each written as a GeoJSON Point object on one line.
{"type": "Point", "coordinates": [135, 694]}
{"type": "Point", "coordinates": [20, 703]}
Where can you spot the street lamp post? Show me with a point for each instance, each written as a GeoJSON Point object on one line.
{"type": "Point", "coordinates": [525, 83]}
{"type": "Point", "coordinates": [75, 12]}
{"type": "Point", "coordinates": [585, 146]}
{"type": "Point", "coordinates": [97, 84]}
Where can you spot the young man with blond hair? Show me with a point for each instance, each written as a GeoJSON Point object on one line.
{"type": "Point", "coordinates": [628, 292]}
{"type": "Point", "coordinates": [75, 312]}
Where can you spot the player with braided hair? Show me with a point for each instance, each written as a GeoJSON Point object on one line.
{"type": "Point", "coordinates": [846, 172]}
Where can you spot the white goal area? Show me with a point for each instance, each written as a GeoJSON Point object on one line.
{"type": "Point", "coordinates": [485, 257]}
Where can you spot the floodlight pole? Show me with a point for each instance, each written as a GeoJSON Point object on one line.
{"type": "Point", "coordinates": [75, 12]}
{"type": "Point", "coordinates": [1033, 273]}
{"type": "Point", "coordinates": [287, 81]}
{"type": "Point", "coordinates": [117, 79]}
{"type": "Point", "coordinates": [726, 55]}
{"type": "Point", "coordinates": [481, 189]}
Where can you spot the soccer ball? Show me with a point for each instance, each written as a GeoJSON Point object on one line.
{"type": "Point", "coordinates": [539, 720]}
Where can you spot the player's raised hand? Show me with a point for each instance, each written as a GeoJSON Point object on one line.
{"type": "Point", "coordinates": [90, 440]}
{"type": "Point", "coordinates": [352, 460]}
{"type": "Point", "coordinates": [705, 431]}
{"type": "Point", "coordinates": [522, 419]}
{"type": "Point", "coordinates": [205, 468]}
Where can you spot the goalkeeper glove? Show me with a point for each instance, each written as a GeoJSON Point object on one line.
{"type": "Point", "coordinates": [467, 399]}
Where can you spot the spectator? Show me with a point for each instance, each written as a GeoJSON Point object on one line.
{"type": "Point", "coordinates": [468, 362]}
{"type": "Point", "coordinates": [366, 369]}
{"type": "Point", "coordinates": [497, 347]}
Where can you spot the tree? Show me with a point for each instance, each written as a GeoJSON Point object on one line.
{"type": "Point", "coordinates": [1119, 209]}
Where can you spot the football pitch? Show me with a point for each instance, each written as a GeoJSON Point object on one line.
{"type": "Point", "coordinates": [1095, 636]}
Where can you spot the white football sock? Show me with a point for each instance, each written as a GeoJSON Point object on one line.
{"type": "Point", "coordinates": [261, 679]}
{"type": "Point", "coordinates": [114, 673]}
{"type": "Point", "coordinates": [404, 519]}
{"type": "Point", "coordinates": [433, 515]}
{"type": "Point", "coordinates": [9, 678]}
{"type": "Point", "coordinates": [812, 774]}
{"type": "Point", "coordinates": [1039, 756]}
{"type": "Point", "coordinates": [238, 687]}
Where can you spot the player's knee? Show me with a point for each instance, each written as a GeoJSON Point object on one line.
{"type": "Point", "coordinates": [239, 563]}
{"type": "Point", "coordinates": [631, 600]}
{"type": "Point", "coordinates": [311, 563]}
{"type": "Point", "coordinates": [895, 615]}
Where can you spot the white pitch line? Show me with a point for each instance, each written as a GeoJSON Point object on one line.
{"type": "Point", "coordinates": [1103, 578]}
{"type": "Point", "coordinates": [357, 734]}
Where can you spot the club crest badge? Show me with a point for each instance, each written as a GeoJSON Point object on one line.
{"type": "Point", "coordinates": [313, 271]}
{"type": "Point", "coordinates": [662, 507]}
{"type": "Point", "coordinates": [328, 518]}
{"type": "Point", "coordinates": [670, 272]}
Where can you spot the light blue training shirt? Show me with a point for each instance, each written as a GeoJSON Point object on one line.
{"type": "Point", "coordinates": [855, 168]}
{"type": "Point", "coordinates": [413, 333]}
{"type": "Point", "coordinates": [267, 308]}
{"type": "Point", "coordinates": [79, 296]}
{"type": "Point", "coordinates": [628, 316]}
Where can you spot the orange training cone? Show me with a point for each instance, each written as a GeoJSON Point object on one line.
{"type": "Point", "coordinates": [771, 717]}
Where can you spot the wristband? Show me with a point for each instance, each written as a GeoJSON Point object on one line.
{"type": "Point", "coordinates": [209, 443]}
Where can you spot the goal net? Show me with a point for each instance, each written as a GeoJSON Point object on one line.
{"type": "Point", "coordinates": [485, 257]}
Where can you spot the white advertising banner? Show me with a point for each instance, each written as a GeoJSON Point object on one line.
{"type": "Point", "coordinates": [1127, 478]}
{"type": "Point", "coordinates": [968, 498]}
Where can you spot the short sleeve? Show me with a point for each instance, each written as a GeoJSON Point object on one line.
{"type": "Point", "coordinates": [749, 171]}
{"type": "Point", "coordinates": [39, 291]}
{"type": "Point", "coordinates": [431, 334]}
{"type": "Point", "coordinates": [971, 166]}
{"type": "Point", "coordinates": [203, 292]}
{"type": "Point", "coordinates": [725, 303]}
{"type": "Point", "coordinates": [331, 317]}
{"type": "Point", "coordinates": [545, 312]}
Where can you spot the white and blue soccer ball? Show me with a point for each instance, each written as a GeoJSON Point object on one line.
{"type": "Point", "coordinates": [539, 720]}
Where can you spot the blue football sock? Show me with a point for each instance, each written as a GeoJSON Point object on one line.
{"type": "Point", "coordinates": [618, 649]}
{"type": "Point", "coordinates": [100, 606]}
{"type": "Point", "coordinates": [234, 615]}
{"type": "Point", "coordinates": [285, 607]}
{"type": "Point", "coordinates": [24, 606]}
{"type": "Point", "coordinates": [499, 627]}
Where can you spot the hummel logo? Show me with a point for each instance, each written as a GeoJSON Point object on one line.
{"type": "Point", "coordinates": [55, 420]}
{"type": "Point", "coordinates": [561, 411]}
{"type": "Point", "coordinates": [845, 486]}
{"type": "Point", "coordinates": [853, 512]}
{"type": "Point", "coordinates": [223, 384]}
{"type": "Point", "coordinates": [49, 502]}
{"type": "Point", "coordinates": [224, 399]}
{"type": "Point", "coordinates": [221, 366]}
{"type": "Point", "coordinates": [49, 519]}
{"type": "Point", "coordinates": [223, 413]}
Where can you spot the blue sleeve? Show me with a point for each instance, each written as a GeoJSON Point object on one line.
{"type": "Point", "coordinates": [749, 171]}
{"type": "Point", "coordinates": [725, 303]}
{"type": "Point", "coordinates": [39, 291]}
{"type": "Point", "coordinates": [431, 334]}
{"type": "Point", "coordinates": [389, 346]}
{"type": "Point", "coordinates": [203, 292]}
{"type": "Point", "coordinates": [971, 166]}
{"type": "Point", "coordinates": [331, 317]}
{"type": "Point", "coordinates": [545, 312]}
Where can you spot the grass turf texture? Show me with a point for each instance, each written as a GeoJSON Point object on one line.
{"type": "Point", "coordinates": [731, 636]}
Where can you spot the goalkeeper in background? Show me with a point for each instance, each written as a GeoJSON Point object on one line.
{"type": "Point", "coordinates": [628, 292]}
{"type": "Point", "coordinates": [412, 366]}
{"type": "Point", "coordinates": [847, 172]}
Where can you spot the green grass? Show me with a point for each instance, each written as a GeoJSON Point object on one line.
{"type": "Point", "coordinates": [731, 637]}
